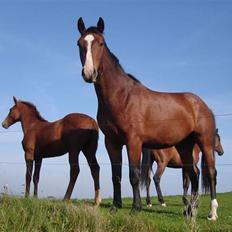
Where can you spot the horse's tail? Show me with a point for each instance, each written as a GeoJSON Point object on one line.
{"type": "Point", "coordinates": [204, 176]}
{"type": "Point", "coordinates": [146, 166]}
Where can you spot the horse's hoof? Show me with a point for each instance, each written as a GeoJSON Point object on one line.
{"type": "Point", "coordinates": [149, 205]}
{"type": "Point", "coordinates": [135, 210]}
{"type": "Point", "coordinates": [164, 205]}
{"type": "Point", "coordinates": [113, 209]}
{"type": "Point", "coordinates": [98, 202]}
{"type": "Point", "coordinates": [212, 217]}
{"type": "Point", "coordinates": [185, 213]}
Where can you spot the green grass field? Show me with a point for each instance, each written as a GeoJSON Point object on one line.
{"type": "Point", "coordinates": [29, 215]}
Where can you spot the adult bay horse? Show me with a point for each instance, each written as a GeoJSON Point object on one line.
{"type": "Point", "coordinates": [42, 139]}
{"type": "Point", "coordinates": [169, 157]}
{"type": "Point", "coordinates": [133, 115]}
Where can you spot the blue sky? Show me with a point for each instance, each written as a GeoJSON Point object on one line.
{"type": "Point", "coordinates": [168, 45]}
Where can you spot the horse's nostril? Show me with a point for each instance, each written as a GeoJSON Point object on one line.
{"type": "Point", "coordinates": [4, 125]}
{"type": "Point", "coordinates": [82, 72]}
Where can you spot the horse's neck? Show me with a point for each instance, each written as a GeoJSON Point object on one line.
{"type": "Point", "coordinates": [28, 120]}
{"type": "Point", "coordinates": [112, 81]}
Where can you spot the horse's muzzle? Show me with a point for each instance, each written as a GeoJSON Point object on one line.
{"type": "Point", "coordinates": [90, 77]}
{"type": "Point", "coordinates": [5, 124]}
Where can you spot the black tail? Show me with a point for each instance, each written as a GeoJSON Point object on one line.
{"type": "Point", "coordinates": [204, 176]}
{"type": "Point", "coordinates": [146, 166]}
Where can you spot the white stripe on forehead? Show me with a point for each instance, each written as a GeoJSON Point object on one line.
{"type": "Point", "coordinates": [89, 38]}
{"type": "Point", "coordinates": [88, 66]}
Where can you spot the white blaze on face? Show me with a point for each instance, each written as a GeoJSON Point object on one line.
{"type": "Point", "coordinates": [88, 66]}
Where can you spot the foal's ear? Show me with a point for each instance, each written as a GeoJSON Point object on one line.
{"type": "Point", "coordinates": [15, 100]}
{"type": "Point", "coordinates": [100, 25]}
{"type": "Point", "coordinates": [81, 26]}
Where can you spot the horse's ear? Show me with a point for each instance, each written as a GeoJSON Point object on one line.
{"type": "Point", "coordinates": [15, 100]}
{"type": "Point", "coordinates": [217, 131]}
{"type": "Point", "coordinates": [100, 25]}
{"type": "Point", "coordinates": [81, 26]}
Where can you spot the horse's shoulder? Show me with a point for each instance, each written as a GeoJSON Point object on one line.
{"type": "Point", "coordinates": [28, 141]}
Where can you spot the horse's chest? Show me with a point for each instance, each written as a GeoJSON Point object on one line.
{"type": "Point", "coordinates": [109, 128]}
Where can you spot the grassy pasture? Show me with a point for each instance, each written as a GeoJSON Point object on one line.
{"type": "Point", "coordinates": [43, 215]}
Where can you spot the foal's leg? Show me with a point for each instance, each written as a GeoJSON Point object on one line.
{"type": "Point", "coordinates": [29, 169]}
{"type": "Point", "coordinates": [148, 182]}
{"type": "Point", "coordinates": [148, 198]}
{"type": "Point", "coordinates": [74, 171]}
{"type": "Point", "coordinates": [134, 148]}
{"type": "Point", "coordinates": [115, 154]}
{"type": "Point", "coordinates": [159, 172]}
{"type": "Point", "coordinates": [186, 182]}
{"type": "Point", "coordinates": [90, 153]}
{"type": "Point", "coordinates": [38, 163]}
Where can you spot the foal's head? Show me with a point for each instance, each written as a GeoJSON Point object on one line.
{"type": "Point", "coordinates": [21, 111]}
{"type": "Point", "coordinates": [218, 145]}
{"type": "Point", "coordinates": [13, 116]}
{"type": "Point", "coordinates": [91, 46]}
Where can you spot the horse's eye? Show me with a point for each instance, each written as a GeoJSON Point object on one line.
{"type": "Point", "coordinates": [101, 44]}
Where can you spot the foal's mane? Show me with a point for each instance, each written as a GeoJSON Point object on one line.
{"type": "Point", "coordinates": [34, 109]}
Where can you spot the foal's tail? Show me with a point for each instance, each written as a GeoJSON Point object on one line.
{"type": "Point", "coordinates": [146, 166]}
{"type": "Point", "coordinates": [204, 176]}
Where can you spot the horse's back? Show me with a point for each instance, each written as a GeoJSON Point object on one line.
{"type": "Point", "coordinates": [78, 130]}
{"type": "Point", "coordinates": [79, 121]}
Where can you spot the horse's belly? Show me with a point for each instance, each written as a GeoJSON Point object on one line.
{"type": "Point", "coordinates": [175, 163]}
{"type": "Point", "coordinates": [56, 148]}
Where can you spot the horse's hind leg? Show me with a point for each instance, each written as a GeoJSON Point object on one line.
{"type": "Point", "coordinates": [90, 154]}
{"type": "Point", "coordinates": [185, 149]}
{"type": "Point", "coordinates": [210, 175]}
{"type": "Point", "coordinates": [38, 163]}
{"type": "Point", "coordinates": [186, 182]}
{"type": "Point", "coordinates": [159, 172]}
{"type": "Point", "coordinates": [74, 171]}
{"type": "Point", "coordinates": [194, 178]}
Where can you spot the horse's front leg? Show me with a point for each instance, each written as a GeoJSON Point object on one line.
{"type": "Point", "coordinates": [115, 154]}
{"type": "Point", "coordinates": [134, 148]}
{"type": "Point", "coordinates": [29, 169]}
{"type": "Point", "coordinates": [38, 163]}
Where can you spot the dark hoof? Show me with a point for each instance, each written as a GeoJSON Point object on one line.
{"type": "Point", "coordinates": [185, 201]}
{"type": "Point", "coordinates": [134, 211]}
{"type": "Point", "coordinates": [188, 212]}
{"type": "Point", "coordinates": [113, 209]}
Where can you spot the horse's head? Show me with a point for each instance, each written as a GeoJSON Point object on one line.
{"type": "Point", "coordinates": [91, 46]}
{"type": "Point", "coordinates": [13, 116]}
{"type": "Point", "coordinates": [218, 145]}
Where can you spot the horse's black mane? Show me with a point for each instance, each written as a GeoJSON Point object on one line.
{"type": "Point", "coordinates": [114, 58]}
{"type": "Point", "coordinates": [133, 78]}
{"type": "Point", "coordinates": [116, 61]}
{"type": "Point", "coordinates": [33, 107]}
